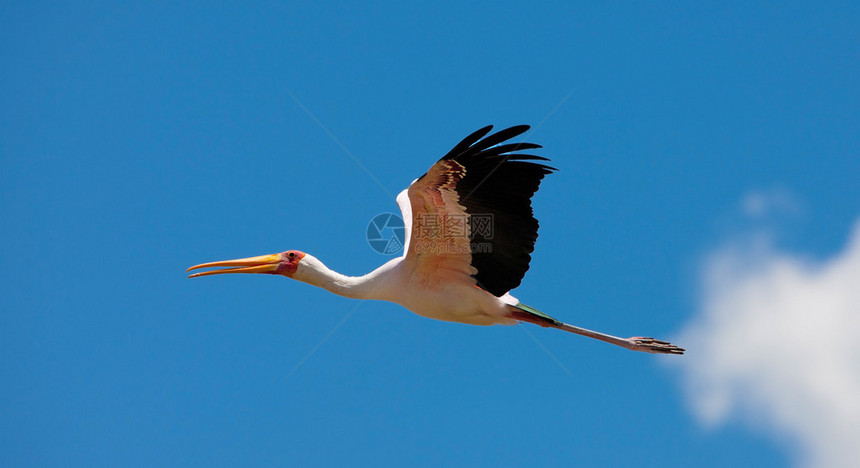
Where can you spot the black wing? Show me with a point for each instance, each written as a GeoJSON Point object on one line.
{"type": "Point", "coordinates": [495, 186]}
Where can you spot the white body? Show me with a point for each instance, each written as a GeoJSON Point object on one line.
{"type": "Point", "coordinates": [396, 282]}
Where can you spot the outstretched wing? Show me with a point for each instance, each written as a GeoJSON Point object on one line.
{"type": "Point", "coordinates": [471, 215]}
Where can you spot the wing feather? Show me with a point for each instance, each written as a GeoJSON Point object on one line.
{"type": "Point", "coordinates": [405, 213]}
{"type": "Point", "coordinates": [471, 215]}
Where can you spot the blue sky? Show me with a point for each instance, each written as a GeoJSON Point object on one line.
{"type": "Point", "coordinates": [139, 139]}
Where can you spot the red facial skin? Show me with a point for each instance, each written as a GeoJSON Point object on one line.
{"type": "Point", "coordinates": [289, 263]}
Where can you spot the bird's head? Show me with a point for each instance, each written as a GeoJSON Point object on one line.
{"type": "Point", "coordinates": [285, 263]}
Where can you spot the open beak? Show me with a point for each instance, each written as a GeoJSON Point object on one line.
{"type": "Point", "coordinates": [261, 264]}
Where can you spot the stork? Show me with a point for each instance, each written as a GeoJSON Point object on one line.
{"type": "Point", "coordinates": [470, 232]}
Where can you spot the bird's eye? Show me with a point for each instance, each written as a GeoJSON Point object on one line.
{"type": "Point", "coordinates": [291, 255]}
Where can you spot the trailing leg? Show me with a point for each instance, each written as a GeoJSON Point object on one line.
{"type": "Point", "coordinates": [525, 313]}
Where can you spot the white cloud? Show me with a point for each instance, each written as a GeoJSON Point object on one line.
{"type": "Point", "coordinates": [776, 344]}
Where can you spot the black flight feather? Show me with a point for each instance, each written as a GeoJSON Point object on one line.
{"type": "Point", "coordinates": [496, 191]}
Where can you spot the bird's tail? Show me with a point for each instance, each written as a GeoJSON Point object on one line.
{"type": "Point", "coordinates": [529, 314]}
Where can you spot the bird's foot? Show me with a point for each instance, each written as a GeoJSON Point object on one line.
{"type": "Point", "coordinates": [651, 345]}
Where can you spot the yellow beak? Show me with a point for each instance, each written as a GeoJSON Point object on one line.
{"type": "Point", "coordinates": [261, 264]}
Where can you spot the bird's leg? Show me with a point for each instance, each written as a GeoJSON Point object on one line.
{"type": "Point", "coordinates": [529, 314]}
{"type": "Point", "coordinates": [636, 343]}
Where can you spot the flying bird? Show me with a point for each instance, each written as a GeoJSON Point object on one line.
{"type": "Point", "coordinates": [469, 235]}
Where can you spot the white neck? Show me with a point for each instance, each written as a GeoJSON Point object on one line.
{"type": "Point", "coordinates": [370, 286]}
